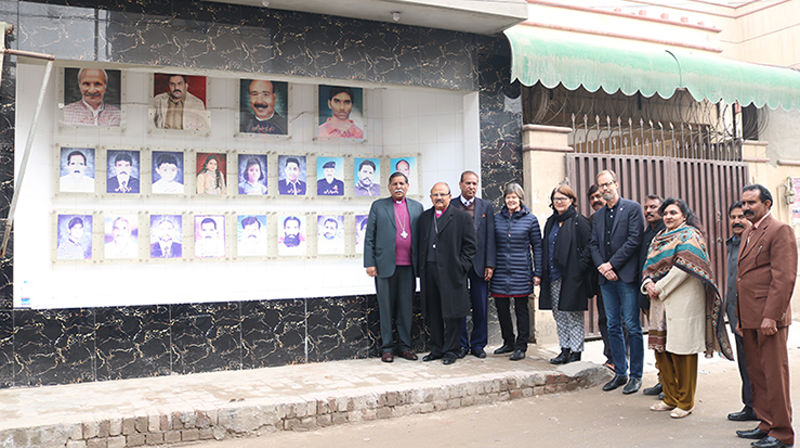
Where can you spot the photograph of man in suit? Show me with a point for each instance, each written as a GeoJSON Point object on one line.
{"type": "Point", "coordinates": [123, 180]}
{"type": "Point", "coordinates": [292, 183]}
{"type": "Point", "coordinates": [329, 185]}
{"type": "Point", "coordinates": [177, 108]}
{"type": "Point", "coordinates": [482, 214]}
{"type": "Point", "coordinates": [616, 236]}
{"type": "Point", "coordinates": [445, 248]}
{"type": "Point", "coordinates": [261, 118]}
{"type": "Point", "coordinates": [389, 257]}
{"type": "Point", "coordinates": [165, 231]}
{"type": "Point", "coordinates": [76, 165]}
{"type": "Point", "coordinates": [767, 269]}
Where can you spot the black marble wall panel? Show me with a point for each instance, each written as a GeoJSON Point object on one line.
{"type": "Point", "coordinates": [6, 349]}
{"type": "Point", "coordinates": [7, 123]}
{"type": "Point", "coordinates": [206, 337]}
{"type": "Point", "coordinates": [132, 342]}
{"type": "Point", "coordinates": [273, 333]}
{"type": "Point", "coordinates": [336, 328]}
{"type": "Point", "coordinates": [53, 346]}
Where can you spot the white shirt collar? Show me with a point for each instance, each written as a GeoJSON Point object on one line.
{"type": "Point", "coordinates": [467, 202]}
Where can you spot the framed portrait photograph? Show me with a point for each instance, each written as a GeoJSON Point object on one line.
{"type": "Point", "coordinates": [120, 236]}
{"type": "Point", "coordinates": [360, 232]}
{"type": "Point", "coordinates": [292, 175]}
{"type": "Point", "coordinates": [407, 166]}
{"type": "Point", "coordinates": [92, 97]}
{"type": "Point", "coordinates": [166, 236]}
{"type": "Point", "coordinates": [330, 175]}
{"type": "Point", "coordinates": [341, 113]}
{"type": "Point", "coordinates": [209, 236]}
{"type": "Point", "coordinates": [123, 171]}
{"type": "Point", "coordinates": [263, 107]}
{"type": "Point", "coordinates": [291, 235]}
{"type": "Point", "coordinates": [330, 234]}
{"type": "Point", "coordinates": [179, 102]}
{"type": "Point", "coordinates": [168, 172]}
{"type": "Point", "coordinates": [76, 170]}
{"type": "Point", "coordinates": [251, 235]}
{"type": "Point", "coordinates": [252, 174]}
{"type": "Point", "coordinates": [74, 237]}
{"type": "Point", "coordinates": [211, 169]}
{"type": "Point", "coordinates": [367, 176]}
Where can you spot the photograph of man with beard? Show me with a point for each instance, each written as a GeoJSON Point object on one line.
{"type": "Point", "coordinates": [262, 107]}
{"type": "Point", "coordinates": [121, 236]}
{"type": "Point", "coordinates": [179, 102]}
{"type": "Point", "coordinates": [77, 170]}
{"type": "Point", "coordinates": [166, 236]}
{"type": "Point", "coordinates": [251, 235]}
{"type": "Point", "coordinates": [291, 235]}
{"type": "Point", "coordinates": [122, 171]}
{"type": "Point", "coordinates": [367, 176]}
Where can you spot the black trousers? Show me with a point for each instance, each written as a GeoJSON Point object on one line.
{"type": "Point", "coordinates": [521, 310]}
{"type": "Point", "coordinates": [445, 334]}
{"type": "Point", "coordinates": [747, 388]}
{"type": "Point", "coordinates": [602, 322]}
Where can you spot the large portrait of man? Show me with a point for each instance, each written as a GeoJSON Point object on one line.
{"type": "Point", "coordinates": [74, 235]}
{"type": "Point", "coordinates": [407, 166]}
{"type": "Point", "coordinates": [367, 176]}
{"type": "Point", "coordinates": [211, 173]}
{"type": "Point", "coordinates": [361, 232]}
{"type": "Point", "coordinates": [251, 235]}
{"type": "Point", "coordinates": [253, 174]}
{"type": "Point", "coordinates": [291, 235]}
{"type": "Point", "coordinates": [122, 171]}
{"type": "Point", "coordinates": [292, 175]}
{"type": "Point", "coordinates": [92, 97]}
{"type": "Point", "coordinates": [263, 107]}
{"type": "Point", "coordinates": [209, 236]}
{"type": "Point", "coordinates": [166, 236]}
{"type": "Point", "coordinates": [330, 171]}
{"type": "Point", "coordinates": [121, 236]}
{"type": "Point", "coordinates": [76, 170]}
{"type": "Point", "coordinates": [179, 102]}
{"type": "Point", "coordinates": [330, 234]}
{"type": "Point", "coordinates": [340, 113]}
{"type": "Point", "coordinates": [167, 172]}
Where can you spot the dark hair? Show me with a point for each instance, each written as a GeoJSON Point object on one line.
{"type": "Point", "coordinates": [396, 164]}
{"type": "Point", "coordinates": [331, 220]}
{"type": "Point", "coordinates": [291, 218]}
{"type": "Point", "coordinates": [166, 159]}
{"type": "Point", "coordinates": [251, 161]}
{"type": "Point", "coordinates": [218, 174]}
{"type": "Point", "coordinates": [763, 193]}
{"type": "Point", "coordinates": [292, 160]}
{"type": "Point", "coordinates": [737, 204]}
{"type": "Point", "coordinates": [691, 218]}
{"type": "Point", "coordinates": [654, 197]}
{"type": "Point", "coordinates": [592, 190]}
{"type": "Point", "coordinates": [172, 75]}
{"type": "Point", "coordinates": [76, 153]}
{"type": "Point", "coordinates": [363, 224]}
{"type": "Point", "coordinates": [337, 90]}
{"type": "Point", "coordinates": [123, 156]}
{"type": "Point", "coordinates": [395, 174]}
{"type": "Point", "coordinates": [74, 222]}
{"type": "Point", "coordinates": [208, 220]}
{"type": "Point", "coordinates": [250, 220]}
{"type": "Point", "coordinates": [367, 162]}
{"type": "Point", "coordinates": [567, 191]}
{"type": "Point", "coordinates": [461, 179]}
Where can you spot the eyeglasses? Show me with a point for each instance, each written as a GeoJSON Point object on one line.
{"type": "Point", "coordinates": [606, 185]}
{"type": "Point", "coordinates": [561, 199]}
{"type": "Point", "coordinates": [439, 195]}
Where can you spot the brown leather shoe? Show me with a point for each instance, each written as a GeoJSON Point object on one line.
{"type": "Point", "coordinates": [387, 357]}
{"type": "Point", "coordinates": [409, 355]}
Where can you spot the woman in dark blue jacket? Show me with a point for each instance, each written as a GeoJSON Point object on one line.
{"type": "Point", "coordinates": [517, 234]}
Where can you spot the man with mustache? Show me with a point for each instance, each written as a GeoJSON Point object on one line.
{"type": "Point", "coordinates": [292, 242]}
{"type": "Point", "coordinates": [209, 242]}
{"type": "Point", "coordinates": [164, 228]}
{"type": "Point", "coordinates": [262, 118]}
{"type": "Point", "coordinates": [123, 180]}
{"type": "Point", "coordinates": [123, 244]}
{"type": "Point", "coordinates": [366, 185]}
{"type": "Point", "coordinates": [766, 272]}
{"type": "Point", "coordinates": [653, 225]}
{"type": "Point", "coordinates": [251, 239]}
{"type": "Point", "coordinates": [737, 224]}
{"type": "Point", "coordinates": [596, 201]}
{"type": "Point", "coordinates": [291, 183]}
{"type": "Point", "coordinates": [76, 180]}
{"type": "Point", "coordinates": [389, 257]}
{"type": "Point", "coordinates": [91, 110]}
{"type": "Point", "coordinates": [177, 108]}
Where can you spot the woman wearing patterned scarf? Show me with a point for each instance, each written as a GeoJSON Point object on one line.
{"type": "Point", "coordinates": [685, 306]}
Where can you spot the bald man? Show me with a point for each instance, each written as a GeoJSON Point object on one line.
{"type": "Point", "coordinates": [92, 110]}
{"type": "Point", "coordinates": [262, 118]}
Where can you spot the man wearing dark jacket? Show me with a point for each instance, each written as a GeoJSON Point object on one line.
{"type": "Point", "coordinates": [446, 245]}
{"type": "Point", "coordinates": [482, 264]}
{"type": "Point", "coordinates": [654, 224]}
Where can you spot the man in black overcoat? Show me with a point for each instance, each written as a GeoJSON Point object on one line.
{"type": "Point", "coordinates": [446, 245]}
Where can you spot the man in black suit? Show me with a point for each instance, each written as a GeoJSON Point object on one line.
{"type": "Point", "coordinates": [482, 214]}
{"type": "Point", "coordinates": [616, 237]}
{"type": "Point", "coordinates": [123, 181]}
{"type": "Point", "coordinates": [654, 224]}
{"type": "Point", "coordinates": [165, 246]}
{"type": "Point", "coordinates": [445, 249]}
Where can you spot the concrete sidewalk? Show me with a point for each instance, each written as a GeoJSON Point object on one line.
{"type": "Point", "coordinates": [218, 405]}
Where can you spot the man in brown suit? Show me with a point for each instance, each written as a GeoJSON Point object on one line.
{"type": "Point", "coordinates": [767, 269]}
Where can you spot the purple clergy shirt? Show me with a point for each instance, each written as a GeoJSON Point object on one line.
{"type": "Point", "coordinates": [402, 246]}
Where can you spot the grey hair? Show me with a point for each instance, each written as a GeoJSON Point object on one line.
{"type": "Point", "coordinates": [81, 71]}
{"type": "Point", "coordinates": [515, 188]}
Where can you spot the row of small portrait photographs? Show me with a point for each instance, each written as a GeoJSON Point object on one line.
{"type": "Point", "coordinates": [156, 237]}
{"type": "Point", "coordinates": [95, 97]}
{"type": "Point", "coordinates": [167, 172]}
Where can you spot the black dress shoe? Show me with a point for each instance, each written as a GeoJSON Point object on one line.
{"type": "Point", "coordinates": [517, 355]}
{"type": "Point", "coordinates": [387, 357]}
{"type": "Point", "coordinates": [745, 415]}
{"type": "Point", "coordinates": [505, 348]}
{"type": "Point", "coordinates": [661, 396]}
{"type": "Point", "coordinates": [769, 442]}
{"type": "Point", "coordinates": [478, 353]}
{"type": "Point", "coordinates": [431, 357]}
{"type": "Point", "coordinates": [562, 357]}
{"type": "Point", "coordinates": [633, 386]}
{"type": "Point", "coordinates": [462, 352]}
{"type": "Point", "coordinates": [752, 434]}
{"type": "Point", "coordinates": [447, 360]}
{"type": "Point", "coordinates": [616, 382]}
{"type": "Point", "coordinates": [573, 356]}
{"type": "Point", "coordinates": [653, 391]}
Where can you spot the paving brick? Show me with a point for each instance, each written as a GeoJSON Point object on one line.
{"type": "Point", "coordinates": [116, 442]}
{"type": "Point", "coordinates": [172, 436]}
{"type": "Point", "coordinates": [97, 443]}
{"type": "Point", "coordinates": [115, 427]}
{"type": "Point", "coordinates": [141, 424]}
{"type": "Point", "coordinates": [76, 444]}
{"type": "Point", "coordinates": [90, 430]}
{"type": "Point", "coordinates": [205, 433]}
{"type": "Point", "coordinates": [134, 440]}
{"type": "Point", "coordinates": [128, 426]}
{"type": "Point", "coordinates": [190, 434]}
{"type": "Point", "coordinates": [103, 428]}
{"type": "Point", "coordinates": [152, 438]}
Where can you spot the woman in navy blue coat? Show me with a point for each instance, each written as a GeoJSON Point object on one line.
{"type": "Point", "coordinates": [518, 240]}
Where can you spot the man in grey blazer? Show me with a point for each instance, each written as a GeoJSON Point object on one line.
{"type": "Point", "coordinates": [482, 214]}
{"type": "Point", "coordinates": [389, 257]}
